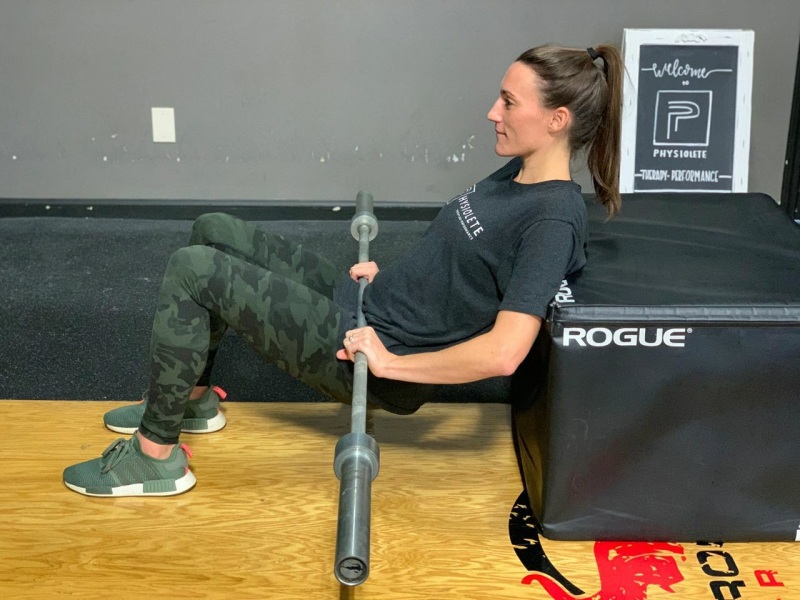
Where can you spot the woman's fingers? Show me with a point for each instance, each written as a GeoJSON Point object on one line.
{"type": "Point", "coordinates": [366, 269]}
{"type": "Point", "coordinates": [355, 340]}
{"type": "Point", "coordinates": [363, 340]}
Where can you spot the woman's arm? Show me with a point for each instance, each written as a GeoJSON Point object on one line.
{"type": "Point", "coordinates": [496, 352]}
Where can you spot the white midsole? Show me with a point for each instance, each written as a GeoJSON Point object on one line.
{"type": "Point", "coordinates": [183, 484]}
{"type": "Point", "coordinates": [214, 424]}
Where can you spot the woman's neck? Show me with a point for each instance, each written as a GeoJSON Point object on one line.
{"type": "Point", "coordinates": [544, 166]}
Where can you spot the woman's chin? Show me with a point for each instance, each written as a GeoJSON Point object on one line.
{"type": "Point", "coordinates": [501, 150]}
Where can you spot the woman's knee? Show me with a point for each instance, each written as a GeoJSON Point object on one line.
{"type": "Point", "coordinates": [214, 228]}
{"type": "Point", "coordinates": [187, 264]}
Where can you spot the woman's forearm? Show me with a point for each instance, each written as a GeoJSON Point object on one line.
{"type": "Point", "coordinates": [495, 353]}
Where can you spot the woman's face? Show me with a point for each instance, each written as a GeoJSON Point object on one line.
{"type": "Point", "coordinates": [521, 123]}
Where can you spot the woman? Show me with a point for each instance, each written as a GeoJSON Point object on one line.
{"type": "Point", "coordinates": [464, 304]}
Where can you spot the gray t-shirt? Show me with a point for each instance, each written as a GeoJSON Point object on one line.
{"type": "Point", "coordinates": [498, 246]}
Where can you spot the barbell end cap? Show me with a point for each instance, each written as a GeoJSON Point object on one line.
{"type": "Point", "coordinates": [352, 571]}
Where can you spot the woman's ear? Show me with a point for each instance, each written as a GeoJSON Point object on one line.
{"type": "Point", "coordinates": [560, 119]}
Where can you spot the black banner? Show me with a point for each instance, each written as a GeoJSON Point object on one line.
{"type": "Point", "coordinates": [686, 118]}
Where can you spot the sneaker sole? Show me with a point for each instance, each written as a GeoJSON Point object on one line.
{"type": "Point", "coordinates": [187, 425]}
{"type": "Point", "coordinates": [164, 487]}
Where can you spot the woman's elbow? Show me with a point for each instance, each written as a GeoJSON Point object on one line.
{"type": "Point", "coordinates": [509, 349]}
{"type": "Point", "coordinates": [507, 365]}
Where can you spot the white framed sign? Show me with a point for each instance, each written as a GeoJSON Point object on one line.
{"type": "Point", "coordinates": [686, 110]}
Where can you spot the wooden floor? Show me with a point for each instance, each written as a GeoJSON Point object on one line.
{"type": "Point", "coordinates": [261, 522]}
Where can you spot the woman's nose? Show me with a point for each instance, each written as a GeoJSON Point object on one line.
{"type": "Point", "coordinates": [493, 114]}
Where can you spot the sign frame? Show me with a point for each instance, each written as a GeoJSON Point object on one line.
{"type": "Point", "coordinates": [631, 139]}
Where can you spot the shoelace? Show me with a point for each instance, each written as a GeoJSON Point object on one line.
{"type": "Point", "coordinates": [118, 450]}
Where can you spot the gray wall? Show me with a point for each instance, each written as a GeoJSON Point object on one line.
{"type": "Point", "coordinates": [312, 99]}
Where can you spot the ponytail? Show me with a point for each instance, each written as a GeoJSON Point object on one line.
{"type": "Point", "coordinates": [604, 153]}
{"type": "Point", "coordinates": [593, 94]}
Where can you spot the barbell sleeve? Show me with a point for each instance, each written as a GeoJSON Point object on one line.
{"type": "Point", "coordinates": [356, 464]}
{"type": "Point", "coordinates": [365, 217]}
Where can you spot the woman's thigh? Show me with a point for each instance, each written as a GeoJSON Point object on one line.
{"type": "Point", "coordinates": [267, 250]}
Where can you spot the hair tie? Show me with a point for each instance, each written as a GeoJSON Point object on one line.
{"type": "Point", "coordinates": [594, 56]}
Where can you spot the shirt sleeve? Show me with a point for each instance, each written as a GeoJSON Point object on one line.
{"type": "Point", "coordinates": [540, 263]}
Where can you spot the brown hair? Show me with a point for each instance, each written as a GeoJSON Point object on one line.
{"type": "Point", "coordinates": [592, 92]}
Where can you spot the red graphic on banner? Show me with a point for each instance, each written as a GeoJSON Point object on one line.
{"type": "Point", "coordinates": [767, 578]}
{"type": "Point", "coordinates": [626, 570]}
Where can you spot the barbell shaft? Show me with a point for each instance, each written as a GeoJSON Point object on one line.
{"type": "Point", "coordinates": [360, 368]}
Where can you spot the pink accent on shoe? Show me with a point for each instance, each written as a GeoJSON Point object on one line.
{"type": "Point", "coordinates": [186, 449]}
{"type": "Point", "coordinates": [220, 392]}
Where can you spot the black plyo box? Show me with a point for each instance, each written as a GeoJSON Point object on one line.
{"type": "Point", "coordinates": [662, 398]}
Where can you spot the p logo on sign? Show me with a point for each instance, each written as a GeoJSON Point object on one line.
{"type": "Point", "coordinates": [683, 118]}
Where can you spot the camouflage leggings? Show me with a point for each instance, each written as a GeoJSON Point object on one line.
{"type": "Point", "coordinates": [274, 293]}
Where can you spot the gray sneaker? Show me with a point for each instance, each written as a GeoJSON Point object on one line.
{"type": "Point", "coordinates": [202, 415]}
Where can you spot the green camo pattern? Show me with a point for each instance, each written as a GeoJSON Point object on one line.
{"type": "Point", "coordinates": [274, 293]}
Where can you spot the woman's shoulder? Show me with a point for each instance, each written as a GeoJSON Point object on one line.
{"type": "Point", "coordinates": [559, 201]}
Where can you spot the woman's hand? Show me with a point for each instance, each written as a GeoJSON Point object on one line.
{"type": "Point", "coordinates": [367, 269]}
{"type": "Point", "coordinates": [367, 341]}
